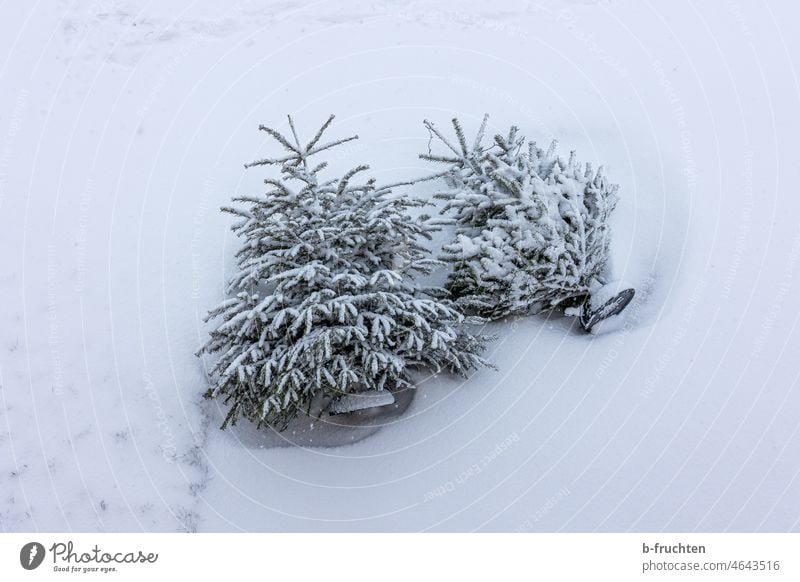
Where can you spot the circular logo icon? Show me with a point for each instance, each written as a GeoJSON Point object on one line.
{"type": "Point", "coordinates": [31, 555]}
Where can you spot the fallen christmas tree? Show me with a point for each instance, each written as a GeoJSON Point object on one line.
{"type": "Point", "coordinates": [531, 229]}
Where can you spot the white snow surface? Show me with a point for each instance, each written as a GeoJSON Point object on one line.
{"type": "Point", "coordinates": [124, 127]}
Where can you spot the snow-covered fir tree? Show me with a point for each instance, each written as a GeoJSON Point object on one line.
{"type": "Point", "coordinates": [325, 300]}
{"type": "Point", "coordinates": [532, 229]}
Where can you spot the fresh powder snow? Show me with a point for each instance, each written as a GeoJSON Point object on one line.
{"type": "Point", "coordinates": [124, 127]}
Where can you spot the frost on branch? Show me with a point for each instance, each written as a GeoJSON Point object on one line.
{"type": "Point", "coordinates": [324, 300]}
{"type": "Point", "coordinates": [532, 229]}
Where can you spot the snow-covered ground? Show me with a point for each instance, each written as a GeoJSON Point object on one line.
{"type": "Point", "coordinates": [124, 126]}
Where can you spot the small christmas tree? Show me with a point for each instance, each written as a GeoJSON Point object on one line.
{"type": "Point", "coordinates": [531, 228]}
{"type": "Point", "coordinates": [325, 300]}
